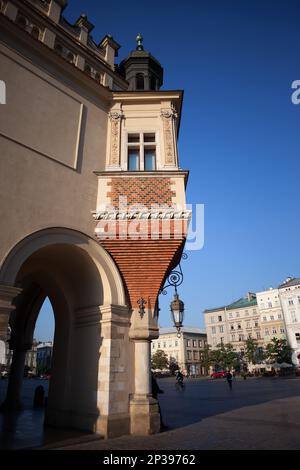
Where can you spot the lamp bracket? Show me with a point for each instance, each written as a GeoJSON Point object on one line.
{"type": "Point", "coordinates": [175, 278]}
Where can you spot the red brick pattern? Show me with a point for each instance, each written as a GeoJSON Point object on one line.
{"type": "Point", "coordinates": [144, 265]}
{"type": "Point", "coordinates": [143, 261]}
{"type": "Point", "coordinates": [144, 190]}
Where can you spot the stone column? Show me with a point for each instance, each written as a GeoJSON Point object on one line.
{"type": "Point", "coordinates": [7, 295]}
{"type": "Point", "coordinates": [142, 376]}
{"type": "Point", "coordinates": [14, 389]}
{"type": "Point", "coordinates": [114, 372]}
{"type": "Point", "coordinates": [144, 412]}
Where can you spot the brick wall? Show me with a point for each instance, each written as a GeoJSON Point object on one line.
{"type": "Point", "coordinates": [143, 190]}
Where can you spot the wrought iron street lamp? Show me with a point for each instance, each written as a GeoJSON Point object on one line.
{"type": "Point", "coordinates": [177, 311]}
{"type": "Point", "coordinates": [175, 279]}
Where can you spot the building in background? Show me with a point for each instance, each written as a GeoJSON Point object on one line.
{"type": "Point", "coordinates": [186, 351]}
{"type": "Point", "coordinates": [44, 357]}
{"type": "Point", "coordinates": [289, 293]}
{"type": "Point", "coordinates": [216, 327]}
{"type": "Point", "coordinates": [234, 323]}
{"type": "Point", "coordinates": [271, 315]}
{"type": "Point", "coordinates": [268, 314]}
{"type": "Point", "coordinates": [30, 358]}
{"type": "Point", "coordinates": [243, 322]}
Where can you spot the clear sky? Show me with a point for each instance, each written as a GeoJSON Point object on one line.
{"type": "Point", "coordinates": [239, 133]}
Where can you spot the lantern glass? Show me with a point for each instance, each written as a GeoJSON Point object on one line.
{"type": "Point", "coordinates": [177, 310]}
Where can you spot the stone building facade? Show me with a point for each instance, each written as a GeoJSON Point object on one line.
{"type": "Point", "coordinates": [234, 323]}
{"type": "Point", "coordinates": [289, 293]}
{"type": "Point", "coordinates": [271, 315]}
{"type": "Point", "coordinates": [186, 351]}
{"type": "Point", "coordinates": [94, 204]}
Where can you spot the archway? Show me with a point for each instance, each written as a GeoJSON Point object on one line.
{"type": "Point", "coordinates": [85, 288]}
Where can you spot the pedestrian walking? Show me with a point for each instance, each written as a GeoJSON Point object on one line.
{"type": "Point", "coordinates": [229, 379]}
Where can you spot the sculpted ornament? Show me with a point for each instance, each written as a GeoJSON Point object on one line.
{"type": "Point", "coordinates": [168, 115]}
{"type": "Point", "coordinates": [115, 117]}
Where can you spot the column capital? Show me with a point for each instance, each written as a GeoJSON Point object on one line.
{"type": "Point", "coordinates": [143, 334]}
{"type": "Point", "coordinates": [144, 327]}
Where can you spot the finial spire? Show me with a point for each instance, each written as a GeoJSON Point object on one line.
{"type": "Point", "coordinates": [139, 40]}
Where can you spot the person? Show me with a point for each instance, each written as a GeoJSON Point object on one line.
{"type": "Point", "coordinates": [179, 377]}
{"type": "Point", "coordinates": [229, 379]}
{"type": "Point", "coordinates": [155, 391]}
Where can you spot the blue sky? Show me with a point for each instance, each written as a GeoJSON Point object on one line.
{"type": "Point", "coordinates": [239, 132]}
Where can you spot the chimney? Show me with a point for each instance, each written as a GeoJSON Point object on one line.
{"type": "Point", "coordinates": [251, 296]}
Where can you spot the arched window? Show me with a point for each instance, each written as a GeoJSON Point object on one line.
{"type": "Point", "coordinates": [139, 81]}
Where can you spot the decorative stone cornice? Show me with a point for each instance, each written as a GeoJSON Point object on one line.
{"type": "Point", "coordinates": [130, 215]}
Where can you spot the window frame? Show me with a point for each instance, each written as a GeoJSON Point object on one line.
{"type": "Point", "coordinates": [141, 146]}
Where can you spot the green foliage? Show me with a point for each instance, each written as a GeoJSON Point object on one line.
{"type": "Point", "coordinates": [279, 351]}
{"type": "Point", "coordinates": [253, 353]}
{"type": "Point", "coordinates": [205, 357]}
{"type": "Point", "coordinates": [224, 357]}
{"type": "Point", "coordinates": [159, 360]}
{"type": "Point", "coordinates": [173, 366]}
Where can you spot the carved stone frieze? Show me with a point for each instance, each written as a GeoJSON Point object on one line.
{"type": "Point", "coordinates": [115, 119]}
{"type": "Point", "coordinates": [168, 116]}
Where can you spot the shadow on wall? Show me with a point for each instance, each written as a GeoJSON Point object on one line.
{"type": "Point", "coordinates": [70, 278]}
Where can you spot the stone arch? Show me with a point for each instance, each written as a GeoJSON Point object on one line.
{"type": "Point", "coordinates": [111, 279]}
{"type": "Point", "coordinates": [85, 290]}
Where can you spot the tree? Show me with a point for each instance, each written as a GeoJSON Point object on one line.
{"type": "Point", "coordinates": [224, 357]}
{"type": "Point", "coordinates": [205, 358]}
{"type": "Point", "coordinates": [173, 366]}
{"type": "Point", "coordinates": [159, 360]}
{"type": "Point", "coordinates": [253, 353]}
{"type": "Point", "coordinates": [279, 351]}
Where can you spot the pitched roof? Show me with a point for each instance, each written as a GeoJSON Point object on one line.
{"type": "Point", "coordinates": [207, 310]}
{"type": "Point", "coordinates": [294, 281]}
{"type": "Point", "coordinates": [242, 303]}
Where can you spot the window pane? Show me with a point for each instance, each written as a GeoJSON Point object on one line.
{"type": "Point", "coordinates": [149, 137]}
{"type": "Point", "coordinates": [149, 159]}
{"type": "Point", "coordinates": [133, 160]}
{"type": "Point", "coordinates": [133, 138]}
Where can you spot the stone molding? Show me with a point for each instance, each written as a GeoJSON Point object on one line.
{"type": "Point", "coordinates": [100, 314]}
{"type": "Point", "coordinates": [129, 215]}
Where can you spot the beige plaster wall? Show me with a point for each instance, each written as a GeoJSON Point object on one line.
{"type": "Point", "coordinates": [52, 138]}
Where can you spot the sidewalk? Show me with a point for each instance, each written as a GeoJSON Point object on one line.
{"type": "Point", "coordinates": [272, 425]}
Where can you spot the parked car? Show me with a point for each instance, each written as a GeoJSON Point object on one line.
{"type": "Point", "coordinates": [218, 375]}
